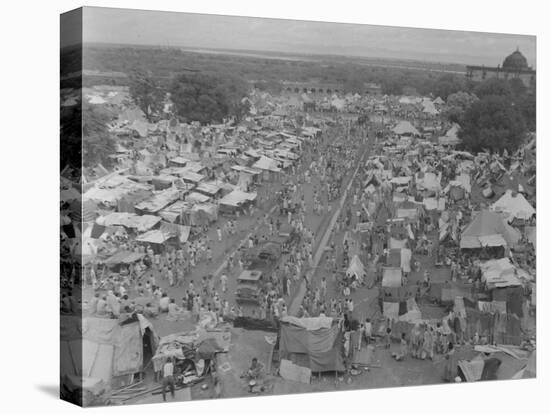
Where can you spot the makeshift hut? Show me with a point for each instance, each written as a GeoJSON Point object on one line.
{"type": "Point", "coordinates": [489, 229]}
{"type": "Point", "coordinates": [356, 269]}
{"type": "Point", "coordinates": [235, 201]}
{"type": "Point", "coordinates": [111, 350]}
{"type": "Point", "coordinates": [314, 343]}
{"type": "Point", "coordinates": [405, 128]}
{"type": "Point", "coordinates": [513, 206]}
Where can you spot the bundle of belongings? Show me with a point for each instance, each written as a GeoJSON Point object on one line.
{"type": "Point", "coordinates": [191, 352]}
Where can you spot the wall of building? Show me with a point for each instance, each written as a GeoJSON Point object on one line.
{"type": "Point", "coordinates": [479, 75]}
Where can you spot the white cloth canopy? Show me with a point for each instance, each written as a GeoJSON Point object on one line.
{"type": "Point", "coordinates": [356, 268]}
{"type": "Point", "coordinates": [513, 206]}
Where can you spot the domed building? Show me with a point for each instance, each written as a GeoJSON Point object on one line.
{"type": "Point", "coordinates": [514, 66]}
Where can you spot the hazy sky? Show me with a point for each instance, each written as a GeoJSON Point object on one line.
{"type": "Point", "coordinates": [228, 32]}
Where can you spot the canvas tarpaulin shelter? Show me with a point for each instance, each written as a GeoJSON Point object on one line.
{"type": "Point", "coordinates": [429, 107]}
{"type": "Point", "coordinates": [237, 198]}
{"type": "Point", "coordinates": [429, 181]}
{"type": "Point", "coordinates": [309, 324]}
{"type": "Point", "coordinates": [488, 223]}
{"type": "Point", "coordinates": [397, 243]}
{"type": "Point", "coordinates": [159, 201]}
{"type": "Point", "coordinates": [405, 128]}
{"type": "Point", "coordinates": [173, 211]}
{"type": "Point", "coordinates": [102, 348]}
{"type": "Point", "coordinates": [195, 197]}
{"type": "Point", "coordinates": [513, 206]}
{"type": "Point", "coordinates": [356, 269]}
{"type": "Point", "coordinates": [530, 370]}
{"type": "Point", "coordinates": [267, 164]}
{"type": "Point", "coordinates": [166, 232]}
{"type": "Point", "coordinates": [140, 223]}
{"type": "Point", "coordinates": [203, 213]}
{"type": "Point", "coordinates": [499, 273]}
{"type": "Point", "coordinates": [451, 137]}
{"type": "Point", "coordinates": [531, 235]}
{"type": "Point", "coordinates": [405, 311]}
{"type": "Point", "coordinates": [391, 277]}
{"type": "Point", "coordinates": [321, 348]}
{"type": "Point", "coordinates": [124, 257]}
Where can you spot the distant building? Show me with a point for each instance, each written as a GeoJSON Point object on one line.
{"type": "Point", "coordinates": [312, 87]}
{"type": "Point", "coordinates": [514, 66]}
{"type": "Point", "coordinates": [328, 88]}
{"type": "Point", "coordinates": [372, 89]}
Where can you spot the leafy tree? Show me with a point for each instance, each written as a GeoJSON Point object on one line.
{"type": "Point", "coordinates": [146, 93]}
{"type": "Point", "coordinates": [392, 86]}
{"type": "Point", "coordinates": [71, 138]}
{"type": "Point", "coordinates": [207, 98]}
{"type": "Point", "coordinates": [354, 83]}
{"type": "Point", "coordinates": [493, 123]}
{"type": "Point", "coordinates": [517, 87]}
{"type": "Point", "coordinates": [85, 137]}
{"type": "Point", "coordinates": [446, 85]}
{"type": "Point", "coordinates": [457, 104]}
{"type": "Point", "coordinates": [97, 142]}
{"type": "Point", "coordinates": [271, 86]}
{"type": "Point", "coordinates": [493, 86]}
{"type": "Point", "coordinates": [409, 90]}
{"type": "Point", "coordinates": [527, 105]}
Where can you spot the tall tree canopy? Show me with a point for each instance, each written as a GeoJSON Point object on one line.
{"type": "Point", "coordinates": [71, 136]}
{"type": "Point", "coordinates": [97, 142]}
{"type": "Point", "coordinates": [493, 87]}
{"type": "Point", "coordinates": [207, 97]}
{"type": "Point", "coordinates": [457, 104]}
{"type": "Point", "coordinates": [271, 86]}
{"type": "Point", "coordinates": [85, 137]}
{"type": "Point", "coordinates": [146, 93]}
{"type": "Point", "coordinates": [493, 123]}
{"type": "Point", "coordinates": [527, 105]}
{"type": "Point", "coordinates": [446, 85]}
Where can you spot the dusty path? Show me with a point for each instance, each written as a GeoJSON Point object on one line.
{"type": "Point", "coordinates": [299, 295]}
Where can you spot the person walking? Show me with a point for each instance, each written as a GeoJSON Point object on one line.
{"type": "Point", "coordinates": [223, 281]}
{"type": "Point", "coordinates": [168, 379]}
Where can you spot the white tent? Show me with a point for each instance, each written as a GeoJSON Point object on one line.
{"type": "Point", "coordinates": [499, 273]}
{"type": "Point", "coordinates": [488, 228]}
{"type": "Point", "coordinates": [237, 197]}
{"type": "Point", "coordinates": [267, 164]}
{"type": "Point", "coordinates": [451, 136]}
{"type": "Point", "coordinates": [430, 182]}
{"type": "Point", "coordinates": [338, 103]}
{"type": "Point", "coordinates": [391, 277]}
{"type": "Point", "coordinates": [356, 269]}
{"type": "Point", "coordinates": [140, 223]}
{"type": "Point", "coordinates": [429, 107]}
{"type": "Point", "coordinates": [405, 128]}
{"type": "Point", "coordinates": [513, 206]}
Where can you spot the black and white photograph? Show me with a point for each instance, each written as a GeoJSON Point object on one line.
{"type": "Point", "coordinates": [258, 207]}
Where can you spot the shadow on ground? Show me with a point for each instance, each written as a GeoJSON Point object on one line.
{"type": "Point", "coordinates": [49, 390]}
